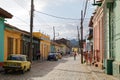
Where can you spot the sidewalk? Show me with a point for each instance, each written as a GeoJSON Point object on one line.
{"type": "Point", "coordinates": [99, 74]}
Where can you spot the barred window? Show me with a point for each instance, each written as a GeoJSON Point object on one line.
{"type": "Point", "coordinates": [10, 45]}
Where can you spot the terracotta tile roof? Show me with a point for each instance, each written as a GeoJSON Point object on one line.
{"type": "Point", "coordinates": [5, 14]}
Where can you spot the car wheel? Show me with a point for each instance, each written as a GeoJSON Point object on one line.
{"type": "Point", "coordinates": [23, 71]}
{"type": "Point", "coordinates": [29, 68]}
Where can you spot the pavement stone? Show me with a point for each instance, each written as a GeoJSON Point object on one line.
{"type": "Point", "coordinates": [65, 69]}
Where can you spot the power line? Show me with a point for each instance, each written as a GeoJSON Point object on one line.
{"type": "Point", "coordinates": [21, 20]}
{"type": "Point", "coordinates": [83, 4]}
{"type": "Point", "coordinates": [56, 16]}
{"type": "Point", "coordinates": [41, 19]}
{"type": "Point", "coordinates": [21, 6]}
{"type": "Point", "coordinates": [85, 9]}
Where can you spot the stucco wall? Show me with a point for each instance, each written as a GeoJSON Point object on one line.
{"type": "Point", "coordinates": [117, 29]}
{"type": "Point", "coordinates": [98, 34]}
{"type": "Point", "coordinates": [1, 39]}
{"type": "Point", "coordinates": [15, 36]}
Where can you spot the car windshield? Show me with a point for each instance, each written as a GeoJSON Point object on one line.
{"type": "Point", "coordinates": [18, 58]}
{"type": "Point", "coordinates": [51, 53]}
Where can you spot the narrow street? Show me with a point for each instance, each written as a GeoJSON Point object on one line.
{"type": "Point", "coordinates": [65, 69]}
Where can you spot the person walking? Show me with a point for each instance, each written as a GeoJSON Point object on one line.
{"type": "Point", "coordinates": [38, 55]}
{"type": "Point", "coordinates": [90, 57]}
{"type": "Point", "coordinates": [75, 54]}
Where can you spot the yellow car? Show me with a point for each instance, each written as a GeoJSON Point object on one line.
{"type": "Point", "coordinates": [17, 62]}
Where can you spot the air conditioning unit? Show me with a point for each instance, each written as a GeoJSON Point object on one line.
{"type": "Point", "coordinates": [116, 69]}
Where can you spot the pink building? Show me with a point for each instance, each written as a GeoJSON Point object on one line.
{"type": "Point", "coordinates": [98, 45]}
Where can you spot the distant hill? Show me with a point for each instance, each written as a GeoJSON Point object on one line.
{"type": "Point", "coordinates": [74, 43]}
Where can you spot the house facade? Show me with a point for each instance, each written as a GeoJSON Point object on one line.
{"type": "Point", "coordinates": [17, 41]}
{"type": "Point", "coordinates": [111, 41]}
{"type": "Point", "coordinates": [12, 40]}
{"type": "Point", "coordinates": [3, 14]}
{"type": "Point", "coordinates": [116, 37]}
{"type": "Point", "coordinates": [98, 36]}
{"type": "Point", "coordinates": [65, 45]}
{"type": "Point", "coordinates": [44, 44]}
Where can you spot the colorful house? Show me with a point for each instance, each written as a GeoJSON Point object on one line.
{"type": "Point", "coordinates": [25, 45]}
{"type": "Point", "coordinates": [115, 36]}
{"type": "Point", "coordinates": [111, 23]}
{"type": "Point", "coordinates": [55, 47]}
{"type": "Point", "coordinates": [75, 49]}
{"type": "Point", "coordinates": [98, 36]}
{"type": "Point", "coordinates": [108, 35]}
{"type": "Point", "coordinates": [63, 48]}
{"type": "Point", "coordinates": [44, 44]}
{"type": "Point", "coordinates": [3, 14]}
{"type": "Point", "coordinates": [17, 42]}
{"type": "Point", "coordinates": [65, 45]}
{"type": "Point", "coordinates": [12, 38]}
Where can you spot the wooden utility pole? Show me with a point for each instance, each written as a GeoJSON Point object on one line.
{"type": "Point", "coordinates": [53, 33]}
{"type": "Point", "coordinates": [81, 41]}
{"type": "Point", "coordinates": [31, 31]}
{"type": "Point", "coordinates": [78, 38]}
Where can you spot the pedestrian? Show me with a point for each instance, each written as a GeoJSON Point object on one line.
{"type": "Point", "coordinates": [38, 55]}
{"type": "Point", "coordinates": [90, 57]}
{"type": "Point", "coordinates": [75, 54]}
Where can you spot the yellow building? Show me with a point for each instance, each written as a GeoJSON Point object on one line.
{"type": "Point", "coordinates": [44, 44]}
{"type": "Point", "coordinates": [75, 49]}
{"type": "Point", "coordinates": [63, 48]}
{"type": "Point", "coordinates": [12, 39]}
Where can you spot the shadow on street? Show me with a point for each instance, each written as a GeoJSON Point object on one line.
{"type": "Point", "coordinates": [39, 69]}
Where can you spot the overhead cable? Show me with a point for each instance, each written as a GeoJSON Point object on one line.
{"type": "Point", "coordinates": [55, 16]}
{"type": "Point", "coordinates": [85, 9]}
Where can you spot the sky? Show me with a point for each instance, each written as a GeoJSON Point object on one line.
{"type": "Point", "coordinates": [64, 28]}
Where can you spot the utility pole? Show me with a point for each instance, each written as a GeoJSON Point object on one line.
{"type": "Point", "coordinates": [53, 33]}
{"type": "Point", "coordinates": [31, 31]}
{"type": "Point", "coordinates": [81, 41]}
{"type": "Point", "coordinates": [78, 38]}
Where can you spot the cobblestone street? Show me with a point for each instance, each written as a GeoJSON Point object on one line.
{"type": "Point", "coordinates": [65, 69]}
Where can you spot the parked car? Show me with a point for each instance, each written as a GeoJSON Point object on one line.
{"type": "Point", "coordinates": [52, 56]}
{"type": "Point", "coordinates": [17, 62]}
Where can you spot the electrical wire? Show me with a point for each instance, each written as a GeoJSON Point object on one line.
{"type": "Point", "coordinates": [56, 16]}
{"type": "Point", "coordinates": [85, 9]}
{"type": "Point", "coordinates": [21, 20]}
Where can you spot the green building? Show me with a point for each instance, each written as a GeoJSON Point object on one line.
{"type": "Point", "coordinates": [108, 24]}
{"type": "Point", "coordinates": [116, 36]}
{"type": "Point", "coordinates": [112, 37]}
{"type": "Point", "coordinates": [111, 31]}
{"type": "Point", "coordinates": [3, 14]}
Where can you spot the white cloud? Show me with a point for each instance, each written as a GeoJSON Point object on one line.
{"type": "Point", "coordinates": [21, 8]}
